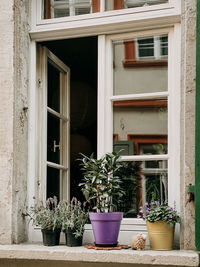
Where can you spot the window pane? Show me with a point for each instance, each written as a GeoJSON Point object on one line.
{"type": "Point", "coordinates": [65, 8]}
{"type": "Point", "coordinates": [53, 84]}
{"type": "Point", "coordinates": [146, 47]}
{"type": "Point", "coordinates": [141, 183]}
{"type": "Point", "coordinates": [53, 139]}
{"type": "Point", "coordinates": [53, 182]}
{"type": "Point", "coordinates": [140, 129]}
{"type": "Point", "coordinates": [140, 65]}
{"type": "Point", "coordinates": [121, 4]}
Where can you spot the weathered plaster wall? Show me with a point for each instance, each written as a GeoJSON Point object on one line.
{"type": "Point", "coordinates": [13, 128]}
{"type": "Point", "coordinates": [188, 121]}
{"type": "Point", "coordinates": [6, 119]}
{"type": "Point", "coordinates": [21, 82]}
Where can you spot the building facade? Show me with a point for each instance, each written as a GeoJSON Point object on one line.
{"type": "Point", "coordinates": [93, 77]}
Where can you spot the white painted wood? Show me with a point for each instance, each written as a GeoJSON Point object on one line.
{"type": "Point", "coordinates": [145, 157]}
{"type": "Point", "coordinates": [101, 95]}
{"type": "Point", "coordinates": [57, 114]}
{"type": "Point", "coordinates": [144, 96]}
{"type": "Point", "coordinates": [174, 117]}
{"type": "Point", "coordinates": [32, 126]}
{"type": "Point", "coordinates": [106, 23]}
{"type": "Point", "coordinates": [56, 166]}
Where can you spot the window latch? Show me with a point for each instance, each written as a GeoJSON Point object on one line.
{"type": "Point", "coordinates": [55, 146]}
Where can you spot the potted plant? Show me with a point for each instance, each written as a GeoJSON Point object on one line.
{"type": "Point", "coordinates": [48, 218]}
{"type": "Point", "coordinates": [160, 220]}
{"type": "Point", "coordinates": [100, 186]}
{"type": "Point", "coordinates": [74, 217]}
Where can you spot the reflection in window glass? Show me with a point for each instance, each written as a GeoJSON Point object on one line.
{"type": "Point", "coordinates": [53, 83]}
{"type": "Point", "coordinates": [53, 139]}
{"type": "Point", "coordinates": [140, 65]}
{"type": "Point", "coordinates": [121, 4]}
{"type": "Point", "coordinates": [154, 181]}
{"type": "Point", "coordinates": [143, 127]}
{"type": "Point", "coordinates": [142, 182]}
{"type": "Point", "coordinates": [65, 8]}
{"type": "Point", "coordinates": [53, 182]}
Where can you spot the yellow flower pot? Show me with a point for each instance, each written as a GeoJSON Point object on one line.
{"type": "Point", "coordinates": [161, 235]}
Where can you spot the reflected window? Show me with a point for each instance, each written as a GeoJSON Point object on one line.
{"type": "Point", "coordinates": [66, 8]}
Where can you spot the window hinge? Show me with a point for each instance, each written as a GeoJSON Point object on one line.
{"type": "Point", "coordinates": [39, 83]}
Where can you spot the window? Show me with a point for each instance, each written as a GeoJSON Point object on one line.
{"type": "Point", "coordinates": [138, 97]}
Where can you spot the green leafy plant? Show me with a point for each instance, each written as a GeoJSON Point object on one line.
{"type": "Point", "coordinates": [101, 184]}
{"type": "Point", "coordinates": [74, 216]}
{"type": "Point", "coordinates": [46, 216]}
{"type": "Point", "coordinates": [155, 211]}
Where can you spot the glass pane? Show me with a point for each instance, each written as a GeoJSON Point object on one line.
{"type": "Point", "coordinates": [142, 182]}
{"type": "Point", "coordinates": [53, 139]}
{"type": "Point", "coordinates": [53, 182]}
{"type": "Point", "coordinates": [53, 99]}
{"type": "Point", "coordinates": [140, 65]}
{"type": "Point", "coordinates": [139, 127]}
{"type": "Point", "coordinates": [121, 4]}
{"type": "Point", "coordinates": [65, 8]}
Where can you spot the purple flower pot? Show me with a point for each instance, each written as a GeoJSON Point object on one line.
{"type": "Point", "coordinates": [106, 227]}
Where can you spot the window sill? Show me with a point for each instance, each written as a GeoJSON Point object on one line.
{"type": "Point", "coordinates": [81, 254]}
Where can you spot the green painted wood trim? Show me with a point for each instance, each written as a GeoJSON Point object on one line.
{"type": "Point", "coordinates": [197, 135]}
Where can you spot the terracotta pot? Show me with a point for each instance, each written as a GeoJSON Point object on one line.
{"type": "Point", "coordinates": [161, 235]}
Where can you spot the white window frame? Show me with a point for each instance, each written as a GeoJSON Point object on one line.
{"type": "Point", "coordinates": [105, 141]}
{"type": "Point", "coordinates": [157, 20]}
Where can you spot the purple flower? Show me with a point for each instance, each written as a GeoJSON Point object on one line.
{"type": "Point", "coordinates": [152, 203]}
{"type": "Point", "coordinates": [146, 203]}
{"type": "Point", "coordinates": [138, 216]}
{"type": "Point", "coordinates": [157, 202]}
{"type": "Point", "coordinates": [147, 210]}
{"type": "Point", "coordinates": [170, 216]}
{"type": "Point", "coordinates": [144, 216]}
{"type": "Point", "coordinates": [171, 209]}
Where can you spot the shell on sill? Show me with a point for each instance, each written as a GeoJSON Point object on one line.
{"type": "Point", "coordinates": [138, 241]}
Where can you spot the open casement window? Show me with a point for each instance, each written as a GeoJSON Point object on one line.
{"type": "Point", "coordinates": [140, 114]}
{"type": "Point", "coordinates": [53, 126]}
{"type": "Point", "coordinates": [65, 8]}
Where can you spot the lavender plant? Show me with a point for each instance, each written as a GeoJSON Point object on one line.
{"type": "Point", "coordinates": [101, 183]}
{"type": "Point", "coordinates": [46, 216]}
{"type": "Point", "coordinates": [74, 216]}
{"type": "Point", "coordinates": [154, 211]}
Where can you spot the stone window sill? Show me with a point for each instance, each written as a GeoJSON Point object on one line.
{"type": "Point", "coordinates": [81, 254]}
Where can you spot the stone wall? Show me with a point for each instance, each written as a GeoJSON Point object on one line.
{"type": "Point", "coordinates": [14, 56]}
{"type": "Point", "coordinates": [188, 72]}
